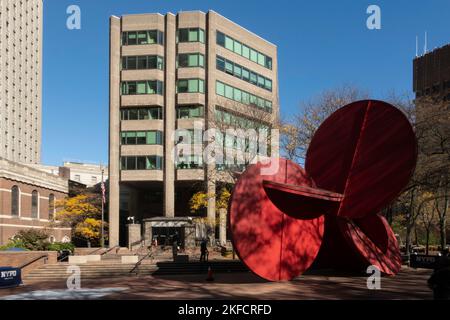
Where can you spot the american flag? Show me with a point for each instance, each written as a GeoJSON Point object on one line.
{"type": "Point", "coordinates": [103, 192]}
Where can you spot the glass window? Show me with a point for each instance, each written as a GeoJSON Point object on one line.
{"type": "Point", "coordinates": [245, 97]}
{"type": "Point", "coordinates": [131, 63]}
{"type": "Point", "coordinates": [238, 47]}
{"type": "Point", "coordinates": [151, 137]}
{"type": "Point", "coordinates": [253, 78]}
{"type": "Point", "coordinates": [229, 92]}
{"type": "Point", "coordinates": [151, 62]}
{"type": "Point", "coordinates": [202, 86]}
{"type": "Point", "coordinates": [253, 55]}
{"type": "Point", "coordinates": [229, 43]}
{"type": "Point", "coordinates": [237, 71]}
{"type": "Point", "coordinates": [220, 88]}
{"type": "Point", "coordinates": [228, 67]}
{"type": "Point", "coordinates": [193, 60]}
{"type": "Point", "coordinates": [143, 114]}
{"type": "Point", "coordinates": [152, 37]}
{"type": "Point", "coordinates": [152, 87]}
{"type": "Point", "coordinates": [268, 84]}
{"type": "Point", "coordinates": [269, 62]}
{"type": "Point", "coordinates": [201, 60]}
{"type": "Point", "coordinates": [133, 114]}
{"type": "Point", "coordinates": [51, 205]}
{"type": "Point", "coordinates": [141, 87]}
{"type": "Point", "coordinates": [131, 163]}
{"type": "Point", "coordinates": [132, 88]}
{"type": "Point", "coordinates": [34, 204]}
{"type": "Point", "coordinates": [141, 163]}
{"type": "Point", "coordinates": [15, 201]}
{"type": "Point", "coordinates": [261, 81]}
{"type": "Point", "coordinates": [202, 36]}
{"type": "Point", "coordinates": [183, 35]}
{"type": "Point", "coordinates": [183, 60]}
{"type": "Point", "coordinates": [220, 39]}
{"type": "Point", "coordinates": [182, 86]}
{"type": "Point", "coordinates": [160, 63]}
{"type": "Point", "coordinates": [183, 112]}
{"type": "Point", "coordinates": [246, 51]}
{"type": "Point", "coordinates": [142, 37]}
{"type": "Point", "coordinates": [245, 74]}
{"type": "Point", "coordinates": [131, 137]}
{"type": "Point", "coordinates": [193, 35]}
{"type": "Point", "coordinates": [132, 38]}
{"type": "Point", "coordinates": [220, 63]}
{"type": "Point", "coordinates": [155, 113]}
{"type": "Point", "coordinates": [261, 59]}
{"type": "Point", "coordinates": [140, 137]}
{"type": "Point", "coordinates": [237, 95]}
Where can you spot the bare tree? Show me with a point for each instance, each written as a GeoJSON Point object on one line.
{"type": "Point", "coordinates": [296, 133]}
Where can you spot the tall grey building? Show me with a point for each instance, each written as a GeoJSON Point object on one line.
{"type": "Point", "coordinates": [20, 80]}
{"type": "Point", "coordinates": [172, 72]}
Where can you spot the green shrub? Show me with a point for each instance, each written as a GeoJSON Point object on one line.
{"type": "Point", "coordinates": [13, 244]}
{"type": "Point", "coordinates": [58, 246]}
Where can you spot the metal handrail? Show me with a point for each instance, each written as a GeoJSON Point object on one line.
{"type": "Point", "coordinates": [109, 250]}
{"type": "Point", "coordinates": [34, 260]}
{"type": "Point", "coordinates": [136, 266]}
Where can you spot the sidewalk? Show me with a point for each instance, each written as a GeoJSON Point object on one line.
{"type": "Point", "coordinates": [408, 284]}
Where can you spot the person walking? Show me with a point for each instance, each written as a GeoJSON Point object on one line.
{"type": "Point", "coordinates": [204, 251]}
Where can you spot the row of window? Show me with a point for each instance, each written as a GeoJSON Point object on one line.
{"type": "Point", "coordinates": [146, 113]}
{"type": "Point", "coordinates": [240, 72]}
{"type": "Point", "coordinates": [142, 87]}
{"type": "Point", "coordinates": [187, 112]}
{"type": "Point", "coordinates": [142, 62]}
{"type": "Point", "coordinates": [189, 162]}
{"type": "Point", "coordinates": [191, 35]}
{"type": "Point", "coordinates": [241, 96]}
{"type": "Point", "coordinates": [141, 137]}
{"type": "Point", "coordinates": [141, 163]}
{"type": "Point", "coordinates": [155, 113]}
{"type": "Point", "coordinates": [187, 60]}
{"type": "Point", "coordinates": [15, 203]}
{"type": "Point", "coordinates": [243, 50]}
{"type": "Point", "coordinates": [130, 38]}
{"type": "Point", "coordinates": [238, 122]}
{"type": "Point", "coordinates": [191, 86]}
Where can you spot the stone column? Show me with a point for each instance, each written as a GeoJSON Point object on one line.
{"type": "Point", "coordinates": [223, 226]}
{"type": "Point", "coordinates": [114, 131]}
{"type": "Point", "coordinates": [169, 116]}
{"type": "Point", "coordinates": [134, 235]}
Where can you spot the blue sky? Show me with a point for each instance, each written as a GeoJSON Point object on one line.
{"type": "Point", "coordinates": [321, 45]}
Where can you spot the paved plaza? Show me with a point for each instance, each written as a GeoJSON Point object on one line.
{"type": "Point", "coordinates": [408, 284]}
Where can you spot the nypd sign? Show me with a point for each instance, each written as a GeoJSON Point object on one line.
{"type": "Point", "coordinates": [10, 277]}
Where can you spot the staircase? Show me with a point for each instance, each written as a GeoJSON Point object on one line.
{"type": "Point", "coordinates": [175, 268]}
{"type": "Point", "coordinates": [93, 270]}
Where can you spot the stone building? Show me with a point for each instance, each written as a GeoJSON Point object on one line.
{"type": "Point", "coordinates": [27, 201]}
{"type": "Point", "coordinates": [178, 72]}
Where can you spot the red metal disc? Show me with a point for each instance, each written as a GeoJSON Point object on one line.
{"type": "Point", "coordinates": [366, 151]}
{"type": "Point", "coordinates": [272, 244]}
{"type": "Point", "coordinates": [374, 240]}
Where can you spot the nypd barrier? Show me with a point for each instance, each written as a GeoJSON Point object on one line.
{"type": "Point", "coordinates": [10, 277]}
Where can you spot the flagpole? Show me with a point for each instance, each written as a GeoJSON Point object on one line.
{"type": "Point", "coordinates": [103, 211]}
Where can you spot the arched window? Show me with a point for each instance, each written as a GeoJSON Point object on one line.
{"type": "Point", "coordinates": [34, 204]}
{"type": "Point", "coordinates": [51, 206]}
{"type": "Point", "coordinates": [15, 198]}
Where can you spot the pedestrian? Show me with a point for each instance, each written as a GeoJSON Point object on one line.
{"type": "Point", "coordinates": [439, 281]}
{"type": "Point", "coordinates": [204, 251]}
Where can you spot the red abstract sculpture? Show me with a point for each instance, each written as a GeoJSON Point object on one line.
{"type": "Point", "coordinates": [358, 161]}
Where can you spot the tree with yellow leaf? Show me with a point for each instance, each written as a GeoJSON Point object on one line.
{"type": "Point", "coordinates": [82, 213]}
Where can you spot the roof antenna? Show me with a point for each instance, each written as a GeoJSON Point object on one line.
{"type": "Point", "coordinates": [417, 46]}
{"type": "Point", "coordinates": [425, 46]}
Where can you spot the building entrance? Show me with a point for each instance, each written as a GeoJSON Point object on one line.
{"type": "Point", "coordinates": [166, 235]}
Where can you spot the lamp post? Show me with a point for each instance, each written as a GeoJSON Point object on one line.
{"type": "Point", "coordinates": [103, 211]}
